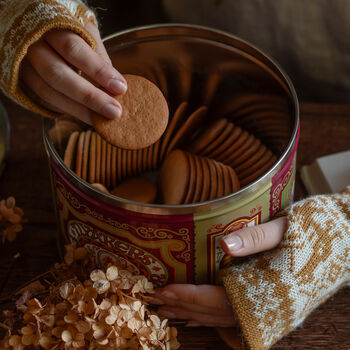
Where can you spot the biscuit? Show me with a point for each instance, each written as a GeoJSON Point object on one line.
{"type": "Point", "coordinates": [92, 160]}
{"type": "Point", "coordinates": [119, 164]}
{"type": "Point", "coordinates": [174, 177]}
{"type": "Point", "coordinates": [188, 127]}
{"type": "Point", "coordinates": [208, 135]}
{"type": "Point", "coordinates": [192, 179]}
{"type": "Point", "coordinates": [137, 189]}
{"type": "Point", "coordinates": [100, 187]}
{"type": "Point", "coordinates": [173, 126]}
{"type": "Point", "coordinates": [213, 176]}
{"type": "Point", "coordinates": [237, 131]}
{"type": "Point", "coordinates": [144, 118]}
{"type": "Point", "coordinates": [206, 180]}
{"type": "Point", "coordinates": [103, 162]}
{"type": "Point", "coordinates": [227, 141]}
{"type": "Point", "coordinates": [220, 179]}
{"type": "Point", "coordinates": [79, 154]}
{"type": "Point", "coordinates": [114, 167]}
{"type": "Point", "coordinates": [218, 140]}
{"type": "Point", "coordinates": [69, 154]}
{"type": "Point", "coordinates": [98, 158]}
{"type": "Point", "coordinates": [262, 170]}
{"type": "Point", "coordinates": [199, 178]}
{"type": "Point", "coordinates": [108, 165]}
{"type": "Point", "coordinates": [246, 154]}
{"type": "Point", "coordinates": [246, 164]}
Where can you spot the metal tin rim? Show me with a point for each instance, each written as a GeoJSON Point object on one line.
{"type": "Point", "coordinates": [203, 206]}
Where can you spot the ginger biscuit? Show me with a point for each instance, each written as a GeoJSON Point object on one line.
{"type": "Point", "coordinates": [103, 161]}
{"type": "Point", "coordinates": [144, 118]}
{"type": "Point", "coordinates": [188, 127]}
{"type": "Point", "coordinates": [69, 154]}
{"type": "Point", "coordinates": [137, 189]}
{"type": "Point", "coordinates": [220, 176]}
{"type": "Point", "coordinates": [199, 178]}
{"type": "Point", "coordinates": [174, 177]}
{"type": "Point", "coordinates": [192, 179]}
{"type": "Point", "coordinates": [213, 178]}
{"type": "Point", "coordinates": [218, 140]}
{"type": "Point", "coordinates": [206, 180]}
{"type": "Point", "coordinates": [171, 129]}
{"type": "Point", "coordinates": [227, 141]}
{"type": "Point", "coordinates": [79, 154]}
{"type": "Point", "coordinates": [114, 167]}
{"type": "Point", "coordinates": [98, 157]}
{"type": "Point", "coordinates": [108, 165]}
{"type": "Point", "coordinates": [262, 170]}
{"type": "Point", "coordinates": [208, 135]}
{"type": "Point", "coordinates": [92, 156]}
{"type": "Point", "coordinates": [100, 187]}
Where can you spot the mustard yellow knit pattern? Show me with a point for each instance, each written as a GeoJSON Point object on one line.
{"type": "Point", "coordinates": [272, 293]}
{"type": "Point", "coordinates": [23, 22]}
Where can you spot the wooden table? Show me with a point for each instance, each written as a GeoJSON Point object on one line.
{"type": "Point", "coordinates": [324, 129]}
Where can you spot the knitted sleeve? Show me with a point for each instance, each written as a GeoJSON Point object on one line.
{"type": "Point", "coordinates": [23, 22]}
{"type": "Point", "coordinates": [272, 293]}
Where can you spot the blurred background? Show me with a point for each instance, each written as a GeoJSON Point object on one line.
{"type": "Point", "coordinates": [307, 38]}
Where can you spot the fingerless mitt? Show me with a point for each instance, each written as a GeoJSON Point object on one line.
{"type": "Point", "coordinates": [272, 293]}
{"type": "Point", "coordinates": [23, 22]}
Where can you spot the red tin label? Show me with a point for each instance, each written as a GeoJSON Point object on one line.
{"type": "Point", "coordinates": [158, 246]}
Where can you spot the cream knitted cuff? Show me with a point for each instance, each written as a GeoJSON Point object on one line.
{"type": "Point", "coordinates": [23, 22]}
{"type": "Point", "coordinates": [273, 293]}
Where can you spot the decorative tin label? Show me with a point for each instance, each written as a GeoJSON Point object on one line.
{"type": "Point", "coordinates": [159, 246]}
{"type": "Point", "coordinates": [217, 257]}
{"type": "Point", "coordinates": [282, 189]}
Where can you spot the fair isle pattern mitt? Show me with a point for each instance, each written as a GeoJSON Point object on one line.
{"type": "Point", "coordinates": [272, 293]}
{"type": "Point", "coordinates": [23, 22]}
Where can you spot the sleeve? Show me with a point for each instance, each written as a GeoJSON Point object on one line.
{"type": "Point", "coordinates": [23, 22]}
{"type": "Point", "coordinates": [272, 293]}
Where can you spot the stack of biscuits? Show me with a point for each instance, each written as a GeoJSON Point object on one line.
{"type": "Point", "coordinates": [220, 158]}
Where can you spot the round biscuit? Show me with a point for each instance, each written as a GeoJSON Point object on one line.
{"type": "Point", "coordinates": [144, 117]}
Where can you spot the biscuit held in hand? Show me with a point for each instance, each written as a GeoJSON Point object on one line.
{"type": "Point", "coordinates": [144, 118]}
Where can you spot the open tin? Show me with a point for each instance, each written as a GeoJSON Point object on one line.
{"type": "Point", "coordinates": [181, 243]}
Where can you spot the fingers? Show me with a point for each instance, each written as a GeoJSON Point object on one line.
{"type": "Point", "coordinates": [203, 298]}
{"type": "Point", "coordinates": [251, 240]}
{"type": "Point", "coordinates": [196, 318]}
{"type": "Point", "coordinates": [101, 50]}
{"type": "Point", "coordinates": [204, 305]}
{"type": "Point", "coordinates": [49, 97]}
{"type": "Point", "coordinates": [57, 74]}
{"type": "Point", "coordinates": [77, 52]}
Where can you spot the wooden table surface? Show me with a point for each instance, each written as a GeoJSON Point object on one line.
{"type": "Point", "coordinates": [324, 129]}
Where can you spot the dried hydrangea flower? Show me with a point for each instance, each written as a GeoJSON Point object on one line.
{"type": "Point", "coordinates": [11, 219]}
{"type": "Point", "coordinates": [106, 311]}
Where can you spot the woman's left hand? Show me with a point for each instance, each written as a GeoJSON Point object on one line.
{"type": "Point", "coordinates": [207, 305]}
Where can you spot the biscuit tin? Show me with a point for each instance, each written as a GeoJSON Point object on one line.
{"type": "Point", "coordinates": [181, 243]}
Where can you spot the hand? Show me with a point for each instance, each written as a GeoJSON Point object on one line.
{"type": "Point", "coordinates": [207, 305]}
{"type": "Point", "coordinates": [50, 73]}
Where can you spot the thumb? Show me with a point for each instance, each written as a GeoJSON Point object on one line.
{"type": "Point", "coordinates": [251, 240]}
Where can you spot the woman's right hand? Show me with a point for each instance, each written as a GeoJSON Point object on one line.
{"type": "Point", "coordinates": [50, 75]}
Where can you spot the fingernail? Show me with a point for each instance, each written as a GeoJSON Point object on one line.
{"type": "Point", "coordinates": [233, 242]}
{"type": "Point", "coordinates": [117, 86]}
{"type": "Point", "coordinates": [169, 295]}
{"type": "Point", "coordinates": [166, 314]}
{"type": "Point", "coordinates": [112, 111]}
{"type": "Point", "coordinates": [156, 301]}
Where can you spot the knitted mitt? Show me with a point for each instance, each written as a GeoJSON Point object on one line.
{"type": "Point", "coordinates": [23, 22]}
{"type": "Point", "coordinates": [273, 292]}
